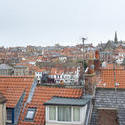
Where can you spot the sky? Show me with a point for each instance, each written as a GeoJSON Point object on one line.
{"type": "Point", "coordinates": [47, 22]}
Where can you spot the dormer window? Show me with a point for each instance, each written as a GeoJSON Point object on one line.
{"type": "Point", "coordinates": [76, 113]}
{"type": "Point", "coordinates": [52, 113]}
{"type": "Point", "coordinates": [64, 113]}
{"type": "Point", "coordinates": [66, 110]}
{"type": "Point", "coordinates": [30, 114]}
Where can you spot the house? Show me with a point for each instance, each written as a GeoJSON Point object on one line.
{"type": "Point", "coordinates": [67, 75]}
{"type": "Point", "coordinates": [106, 56]}
{"type": "Point", "coordinates": [63, 59]}
{"type": "Point", "coordinates": [21, 70]}
{"type": "Point", "coordinates": [66, 111]}
{"type": "Point", "coordinates": [42, 109]}
{"type": "Point", "coordinates": [16, 90]}
{"type": "Point", "coordinates": [3, 101]}
{"type": "Point", "coordinates": [6, 70]}
{"type": "Point", "coordinates": [28, 102]}
{"type": "Point", "coordinates": [109, 102]}
{"type": "Point", "coordinates": [40, 73]}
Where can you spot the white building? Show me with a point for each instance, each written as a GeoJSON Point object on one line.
{"type": "Point", "coordinates": [66, 76]}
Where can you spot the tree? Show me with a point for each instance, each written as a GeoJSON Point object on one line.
{"type": "Point", "coordinates": [57, 45]}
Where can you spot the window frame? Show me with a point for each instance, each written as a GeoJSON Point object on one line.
{"type": "Point", "coordinates": [11, 114]}
{"type": "Point", "coordinates": [49, 114]}
{"type": "Point", "coordinates": [72, 121]}
{"type": "Point", "coordinates": [30, 119]}
{"type": "Point", "coordinates": [73, 113]}
{"type": "Point", "coordinates": [58, 114]}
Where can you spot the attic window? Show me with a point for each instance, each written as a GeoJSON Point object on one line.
{"type": "Point", "coordinates": [30, 114]}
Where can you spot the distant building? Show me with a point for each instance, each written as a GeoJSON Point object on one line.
{"type": "Point", "coordinates": [21, 70]}
{"type": "Point", "coordinates": [6, 69]}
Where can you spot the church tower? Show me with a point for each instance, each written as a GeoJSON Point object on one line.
{"type": "Point", "coordinates": [115, 39]}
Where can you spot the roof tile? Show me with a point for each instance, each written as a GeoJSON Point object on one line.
{"type": "Point", "coordinates": [41, 95]}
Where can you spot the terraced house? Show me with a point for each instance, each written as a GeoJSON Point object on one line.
{"type": "Point", "coordinates": [109, 104]}
{"type": "Point", "coordinates": [32, 104]}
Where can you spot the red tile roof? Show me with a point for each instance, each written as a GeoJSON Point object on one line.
{"type": "Point", "coordinates": [110, 66]}
{"type": "Point", "coordinates": [12, 88]}
{"type": "Point", "coordinates": [41, 95]}
{"type": "Point", "coordinates": [107, 78]}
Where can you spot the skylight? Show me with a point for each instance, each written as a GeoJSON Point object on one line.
{"type": "Point", "coordinates": [30, 114]}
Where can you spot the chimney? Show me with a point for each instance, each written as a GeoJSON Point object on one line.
{"type": "Point", "coordinates": [97, 62]}
{"type": "Point", "coordinates": [97, 54]}
{"type": "Point", "coordinates": [97, 65]}
{"type": "Point", "coordinates": [90, 82]}
{"type": "Point", "coordinates": [90, 78]}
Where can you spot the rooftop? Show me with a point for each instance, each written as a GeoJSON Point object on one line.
{"type": "Point", "coordinates": [12, 88]}
{"type": "Point", "coordinates": [67, 101]}
{"type": "Point", "coordinates": [107, 78]}
{"type": "Point", "coordinates": [5, 66]}
{"type": "Point", "coordinates": [41, 95]}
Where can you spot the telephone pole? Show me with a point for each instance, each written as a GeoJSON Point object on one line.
{"type": "Point", "coordinates": [83, 41]}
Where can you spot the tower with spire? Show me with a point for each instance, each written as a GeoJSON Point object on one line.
{"type": "Point", "coordinates": [116, 38]}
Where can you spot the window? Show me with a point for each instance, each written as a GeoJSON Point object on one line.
{"type": "Point", "coordinates": [64, 113]}
{"type": "Point", "coordinates": [30, 114]}
{"type": "Point", "coordinates": [76, 114]}
{"type": "Point", "coordinates": [9, 115]}
{"type": "Point", "coordinates": [52, 113]}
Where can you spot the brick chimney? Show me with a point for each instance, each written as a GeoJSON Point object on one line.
{"type": "Point", "coordinates": [90, 78]}
{"type": "Point", "coordinates": [90, 82]}
{"type": "Point", "coordinates": [97, 54]}
{"type": "Point", "coordinates": [97, 62]}
{"type": "Point", "coordinates": [92, 74]}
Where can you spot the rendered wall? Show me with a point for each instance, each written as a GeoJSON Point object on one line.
{"type": "Point", "coordinates": [2, 114]}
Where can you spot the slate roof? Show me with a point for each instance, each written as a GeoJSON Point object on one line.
{"type": "Point", "coordinates": [41, 95]}
{"type": "Point", "coordinates": [67, 101]}
{"type": "Point", "coordinates": [20, 66]}
{"type": "Point", "coordinates": [5, 66]}
{"type": "Point", "coordinates": [108, 98]}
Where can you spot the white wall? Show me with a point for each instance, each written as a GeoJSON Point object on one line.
{"type": "Point", "coordinates": [3, 114]}
{"type": "Point", "coordinates": [82, 118]}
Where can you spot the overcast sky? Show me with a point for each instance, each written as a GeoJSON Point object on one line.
{"type": "Point", "coordinates": [46, 22]}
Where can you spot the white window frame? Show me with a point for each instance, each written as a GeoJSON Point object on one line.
{"type": "Point", "coordinates": [34, 111]}
{"type": "Point", "coordinates": [66, 122]}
